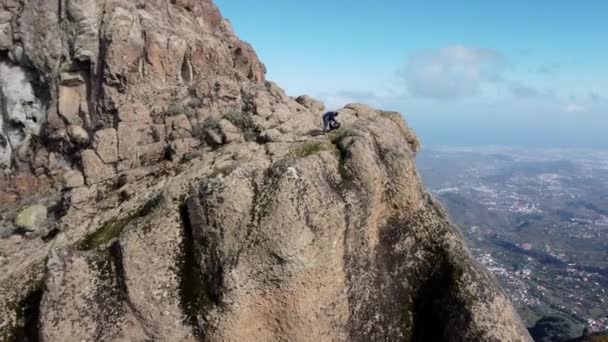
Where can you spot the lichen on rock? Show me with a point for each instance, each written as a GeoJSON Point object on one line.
{"type": "Point", "coordinates": [31, 218]}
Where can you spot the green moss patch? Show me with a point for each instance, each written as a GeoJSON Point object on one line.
{"type": "Point", "coordinates": [114, 227]}
{"type": "Point", "coordinates": [314, 147]}
{"type": "Point", "coordinates": [244, 123]}
{"type": "Point", "coordinates": [237, 118]}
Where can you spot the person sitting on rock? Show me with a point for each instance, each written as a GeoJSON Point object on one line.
{"type": "Point", "coordinates": [329, 122]}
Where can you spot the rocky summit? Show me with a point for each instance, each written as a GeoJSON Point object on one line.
{"type": "Point", "coordinates": [156, 187]}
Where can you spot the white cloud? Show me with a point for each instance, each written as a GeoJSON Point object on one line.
{"type": "Point", "coordinates": [336, 101]}
{"type": "Point", "coordinates": [573, 108]}
{"type": "Point", "coordinates": [452, 72]}
{"type": "Point", "coordinates": [377, 98]}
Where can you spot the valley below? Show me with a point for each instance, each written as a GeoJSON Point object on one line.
{"type": "Point", "coordinates": [538, 221]}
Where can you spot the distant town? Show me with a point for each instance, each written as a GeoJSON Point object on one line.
{"type": "Point", "coordinates": [537, 220]}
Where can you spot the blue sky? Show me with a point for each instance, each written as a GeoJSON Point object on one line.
{"type": "Point", "coordinates": [518, 73]}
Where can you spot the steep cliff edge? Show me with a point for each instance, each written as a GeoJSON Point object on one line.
{"type": "Point", "coordinates": [172, 193]}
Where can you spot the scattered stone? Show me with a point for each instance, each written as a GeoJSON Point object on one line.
{"type": "Point", "coordinates": [78, 134]}
{"type": "Point", "coordinates": [73, 179]}
{"type": "Point", "coordinates": [31, 218]}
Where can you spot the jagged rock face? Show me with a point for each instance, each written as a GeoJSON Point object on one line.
{"type": "Point", "coordinates": [338, 241]}
{"type": "Point", "coordinates": [137, 76]}
{"type": "Point", "coordinates": [189, 199]}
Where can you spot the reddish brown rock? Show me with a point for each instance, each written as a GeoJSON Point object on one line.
{"type": "Point", "coordinates": [25, 183]}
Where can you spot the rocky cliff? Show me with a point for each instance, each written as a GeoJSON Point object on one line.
{"type": "Point", "coordinates": [156, 187]}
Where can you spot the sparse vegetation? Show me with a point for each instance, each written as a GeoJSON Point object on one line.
{"type": "Point", "coordinates": [109, 231]}
{"type": "Point", "coordinates": [35, 141]}
{"type": "Point", "coordinates": [114, 227]}
{"type": "Point", "coordinates": [244, 123]}
{"type": "Point", "coordinates": [237, 118]}
{"type": "Point", "coordinates": [185, 105]}
{"type": "Point", "coordinates": [205, 131]}
{"type": "Point", "coordinates": [315, 147]}
{"type": "Point", "coordinates": [174, 109]}
{"type": "Point", "coordinates": [211, 124]}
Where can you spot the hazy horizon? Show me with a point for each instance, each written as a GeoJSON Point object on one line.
{"type": "Point", "coordinates": [517, 74]}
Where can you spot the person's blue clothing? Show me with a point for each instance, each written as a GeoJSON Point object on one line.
{"type": "Point", "coordinates": [329, 121]}
{"type": "Point", "coordinates": [329, 116]}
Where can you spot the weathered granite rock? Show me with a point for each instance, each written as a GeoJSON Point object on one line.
{"type": "Point", "coordinates": [105, 317]}
{"type": "Point", "coordinates": [69, 105]}
{"type": "Point", "coordinates": [95, 170]}
{"type": "Point", "coordinates": [178, 127]}
{"type": "Point", "coordinates": [310, 103]}
{"type": "Point", "coordinates": [73, 179]}
{"type": "Point", "coordinates": [6, 30]}
{"type": "Point", "coordinates": [105, 143]}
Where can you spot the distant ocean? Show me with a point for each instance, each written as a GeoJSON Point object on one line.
{"type": "Point", "coordinates": [434, 132]}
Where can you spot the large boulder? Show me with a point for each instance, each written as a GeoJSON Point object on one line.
{"type": "Point", "coordinates": [31, 218]}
